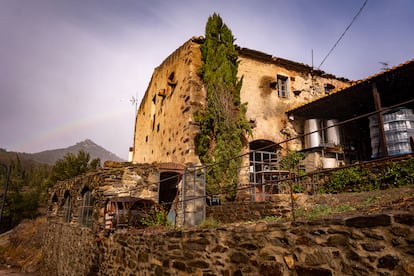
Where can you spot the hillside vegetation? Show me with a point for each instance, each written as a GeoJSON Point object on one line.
{"type": "Point", "coordinates": [28, 182]}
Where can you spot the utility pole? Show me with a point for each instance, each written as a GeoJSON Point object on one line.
{"type": "Point", "coordinates": [6, 186]}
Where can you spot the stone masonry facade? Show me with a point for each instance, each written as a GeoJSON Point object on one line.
{"type": "Point", "coordinates": [165, 128]}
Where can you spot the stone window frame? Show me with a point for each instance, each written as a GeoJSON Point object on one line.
{"type": "Point", "coordinates": [282, 84]}
{"type": "Point", "coordinates": [86, 208]}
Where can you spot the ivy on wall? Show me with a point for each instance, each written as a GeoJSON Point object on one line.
{"type": "Point", "coordinates": [223, 123]}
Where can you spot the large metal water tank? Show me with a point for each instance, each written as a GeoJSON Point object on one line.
{"type": "Point", "coordinates": [332, 133]}
{"type": "Point", "coordinates": [314, 139]}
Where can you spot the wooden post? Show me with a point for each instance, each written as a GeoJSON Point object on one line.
{"type": "Point", "coordinates": [380, 120]}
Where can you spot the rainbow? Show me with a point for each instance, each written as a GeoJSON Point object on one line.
{"type": "Point", "coordinates": [45, 139]}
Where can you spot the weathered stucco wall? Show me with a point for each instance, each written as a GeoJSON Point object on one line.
{"type": "Point", "coordinates": [378, 244]}
{"type": "Point", "coordinates": [266, 109]}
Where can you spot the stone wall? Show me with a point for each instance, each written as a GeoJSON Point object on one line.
{"type": "Point", "coordinates": [377, 244]}
{"type": "Point", "coordinates": [69, 249]}
{"type": "Point", "coordinates": [120, 180]}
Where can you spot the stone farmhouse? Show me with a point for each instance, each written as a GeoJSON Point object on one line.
{"type": "Point", "coordinates": [165, 128]}
{"type": "Point", "coordinates": [93, 218]}
{"type": "Point", "coordinates": [285, 99]}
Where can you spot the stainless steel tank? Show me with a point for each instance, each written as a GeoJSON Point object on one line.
{"type": "Point", "coordinates": [314, 139]}
{"type": "Point", "coordinates": [332, 133]}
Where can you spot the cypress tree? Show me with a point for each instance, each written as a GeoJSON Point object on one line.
{"type": "Point", "coordinates": [223, 123]}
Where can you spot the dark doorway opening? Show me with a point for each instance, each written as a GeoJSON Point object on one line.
{"type": "Point", "coordinates": [168, 188]}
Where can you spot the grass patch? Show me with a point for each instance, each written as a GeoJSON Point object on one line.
{"type": "Point", "coordinates": [273, 219]}
{"type": "Point", "coordinates": [209, 223]}
{"type": "Point", "coordinates": [370, 200]}
{"type": "Point", "coordinates": [322, 210]}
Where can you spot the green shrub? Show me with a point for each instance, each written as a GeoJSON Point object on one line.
{"type": "Point", "coordinates": [343, 178]}
{"type": "Point", "coordinates": [158, 216]}
{"type": "Point", "coordinates": [357, 179]}
{"type": "Point", "coordinates": [397, 174]}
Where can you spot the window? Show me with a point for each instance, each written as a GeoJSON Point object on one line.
{"type": "Point", "coordinates": [282, 86]}
{"type": "Point", "coordinates": [53, 209]}
{"type": "Point", "coordinates": [329, 88]}
{"type": "Point", "coordinates": [172, 82]}
{"type": "Point", "coordinates": [85, 210]}
{"type": "Point", "coordinates": [66, 207]}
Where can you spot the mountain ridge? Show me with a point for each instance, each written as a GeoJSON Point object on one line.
{"type": "Point", "coordinates": [51, 156]}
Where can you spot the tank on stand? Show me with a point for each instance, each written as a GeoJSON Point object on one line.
{"type": "Point", "coordinates": [398, 128]}
{"type": "Point", "coordinates": [313, 139]}
{"type": "Point", "coordinates": [332, 132]}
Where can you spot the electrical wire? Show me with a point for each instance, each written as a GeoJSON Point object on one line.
{"type": "Point", "coordinates": [343, 34]}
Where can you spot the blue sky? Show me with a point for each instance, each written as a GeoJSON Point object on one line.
{"type": "Point", "coordinates": [69, 68]}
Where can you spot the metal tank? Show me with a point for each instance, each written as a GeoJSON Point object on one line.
{"type": "Point", "coordinates": [332, 133]}
{"type": "Point", "coordinates": [314, 139]}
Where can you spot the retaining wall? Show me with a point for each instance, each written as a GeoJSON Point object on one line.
{"type": "Point", "coordinates": [380, 244]}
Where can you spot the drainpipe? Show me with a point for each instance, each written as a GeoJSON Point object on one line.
{"type": "Point", "coordinates": [6, 186]}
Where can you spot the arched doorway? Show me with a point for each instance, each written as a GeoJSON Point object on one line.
{"type": "Point", "coordinates": [67, 207]}
{"type": "Point", "coordinates": [264, 168]}
{"type": "Point", "coordinates": [86, 208]}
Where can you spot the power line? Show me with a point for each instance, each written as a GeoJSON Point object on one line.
{"type": "Point", "coordinates": [342, 35]}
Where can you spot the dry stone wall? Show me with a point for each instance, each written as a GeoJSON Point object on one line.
{"type": "Point", "coordinates": [69, 249]}
{"type": "Point", "coordinates": [377, 244]}
{"type": "Point", "coordinates": [118, 180]}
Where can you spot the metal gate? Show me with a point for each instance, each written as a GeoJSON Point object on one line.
{"type": "Point", "coordinates": [194, 195]}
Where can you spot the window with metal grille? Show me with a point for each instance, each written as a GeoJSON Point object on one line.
{"type": "Point", "coordinates": [67, 206]}
{"type": "Point", "coordinates": [86, 208]}
{"type": "Point", "coordinates": [282, 86]}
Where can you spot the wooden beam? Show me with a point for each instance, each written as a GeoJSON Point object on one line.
{"type": "Point", "coordinates": [380, 120]}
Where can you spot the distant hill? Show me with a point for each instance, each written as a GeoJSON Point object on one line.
{"type": "Point", "coordinates": [94, 150]}
{"type": "Point", "coordinates": [6, 157]}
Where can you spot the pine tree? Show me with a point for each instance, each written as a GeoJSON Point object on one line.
{"type": "Point", "coordinates": [223, 123]}
{"type": "Point", "coordinates": [72, 165]}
